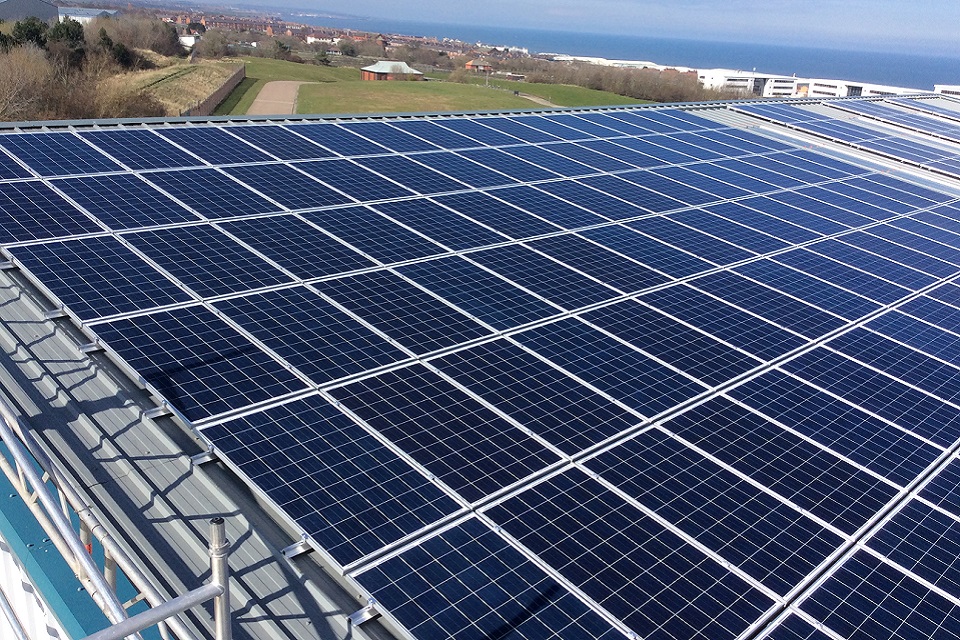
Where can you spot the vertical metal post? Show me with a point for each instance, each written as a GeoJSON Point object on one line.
{"type": "Point", "coordinates": [110, 569]}
{"type": "Point", "coordinates": [220, 575]}
{"type": "Point", "coordinates": [86, 537]}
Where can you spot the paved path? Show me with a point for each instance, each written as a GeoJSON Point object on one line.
{"type": "Point", "coordinates": [537, 99]}
{"type": "Point", "coordinates": [276, 98]}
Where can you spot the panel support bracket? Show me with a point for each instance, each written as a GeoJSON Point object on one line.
{"type": "Point", "coordinates": [298, 548]}
{"type": "Point", "coordinates": [360, 616]}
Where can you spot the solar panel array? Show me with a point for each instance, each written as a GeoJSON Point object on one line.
{"type": "Point", "coordinates": [571, 374]}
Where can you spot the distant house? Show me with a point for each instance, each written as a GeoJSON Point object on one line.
{"type": "Point", "coordinates": [83, 15]}
{"type": "Point", "coordinates": [13, 10]}
{"type": "Point", "coordinates": [479, 66]}
{"type": "Point", "coordinates": [390, 70]}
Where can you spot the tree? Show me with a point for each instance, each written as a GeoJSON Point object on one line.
{"type": "Point", "coordinates": [347, 48]}
{"type": "Point", "coordinates": [69, 32]}
{"type": "Point", "coordinates": [322, 59]}
{"type": "Point", "coordinates": [30, 29]}
{"type": "Point", "coordinates": [198, 27]}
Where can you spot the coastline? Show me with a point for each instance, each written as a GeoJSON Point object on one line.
{"type": "Point", "coordinates": [917, 70]}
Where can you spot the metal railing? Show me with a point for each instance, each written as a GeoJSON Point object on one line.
{"type": "Point", "coordinates": [54, 516]}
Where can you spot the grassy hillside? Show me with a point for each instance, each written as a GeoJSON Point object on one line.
{"type": "Point", "coordinates": [340, 90]}
{"type": "Point", "coordinates": [178, 86]}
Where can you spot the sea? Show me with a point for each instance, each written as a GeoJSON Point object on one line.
{"type": "Point", "coordinates": [910, 70]}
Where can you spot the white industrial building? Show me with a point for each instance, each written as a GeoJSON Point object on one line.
{"type": "Point", "coordinates": [767, 85]}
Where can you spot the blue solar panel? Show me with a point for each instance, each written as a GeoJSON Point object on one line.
{"type": "Point", "coordinates": [57, 154]}
{"type": "Point", "coordinates": [646, 199]}
{"type": "Point", "coordinates": [648, 251]}
{"type": "Point", "coordinates": [281, 143]}
{"type": "Point", "coordinates": [512, 166]}
{"type": "Point", "coordinates": [411, 317]}
{"type": "Point", "coordinates": [826, 485]}
{"type": "Point", "coordinates": [544, 157]}
{"type": "Point", "coordinates": [313, 461]}
{"type": "Point", "coordinates": [698, 355]}
{"type": "Point", "coordinates": [197, 362]}
{"type": "Point", "coordinates": [466, 171]}
{"type": "Point", "coordinates": [337, 139]}
{"type": "Point", "coordinates": [320, 340]}
{"type": "Point", "coordinates": [140, 149]}
{"type": "Point", "coordinates": [297, 246]}
{"type": "Point", "coordinates": [388, 136]}
{"type": "Point", "coordinates": [354, 180]}
{"type": "Point", "coordinates": [772, 542]}
{"type": "Point", "coordinates": [123, 201]}
{"type": "Point", "coordinates": [479, 586]}
{"type": "Point", "coordinates": [696, 242]}
{"type": "Point", "coordinates": [440, 224]}
{"type": "Point", "coordinates": [413, 176]}
{"type": "Point", "coordinates": [544, 277]}
{"type": "Point", "coordinates": [515, 127]}
{"type": "Point", "coordinates": [717, 225]}
{"type": "Point", "coordinates": [868, 599]}
{"type": "Point", "coordinates": [876, 445]}
{"type": "Point", "coordinates": [464, 444]}
{"type": "Point", "coordinates": [9, 169]}
{"type": "Point", "coordinates": [553, 405]}
{"type": "Point", "coordinates": [433, 132]}
{"type": "Point", "coordinates": [98, 276]}
{"type": "Point", "coordinates": [644, 566]}
{"type": "Point", "coordinates": [593, 259]}
{"type": "Point", "coordinates": [479, 292]}
{"type": "Point", "coordinates": [596, 201]}
{"type": "Point", "coordinates": [552, 208]}
{"type": "Point", "coordinates": [206, 260]}
{"type": "Point", "coordinates": [287, 186]}
{"type": "Point", "coordinates": [497, 214]}
{"type": "Point", "coordinates": [374, 235]}
{"type": "Point", "coordinates": [32, 211]}
{"type": "Point", "coordinates": [484, 136]}
{"type": "Point", "coordinates": [210, 193]}
{"type": "Point", "coordinates": [623, 372]}
{"type": "Point", "coordinates": [215, 145]}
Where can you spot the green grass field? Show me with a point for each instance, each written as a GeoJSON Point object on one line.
{"type": "Point", "coordinates": [403, 97]}
{"type": "Point", "coordinates": [565, 95]}
{"type": "Point", "coordinates": [340, 90]}
{"type": "Point", "coordinates": [262, 70]}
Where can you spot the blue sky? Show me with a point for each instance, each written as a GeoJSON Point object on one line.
{"type": "Point", "coordinates": [920, 25]}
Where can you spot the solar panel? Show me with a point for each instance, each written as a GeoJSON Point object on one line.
{"type": "Point", "coordinates": [584, 373]}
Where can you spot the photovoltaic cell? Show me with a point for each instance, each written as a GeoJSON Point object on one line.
{"type": "Point", "coordinates": [543, 276]}
{"type": "Point", "coordinates": [206, 260]}
{"type": "Point", "coordinates": [594, 260]}
{"type": "Point", "coordinates": [280, 142]}
{"type": "Point", "coordinates": [57, 154]}
{"type": "Point", "coordinates": [123, 201]}
{"type": "Point", "coordinates": [338, 139]}
{"type": "Point", "coordinates": [497, 214]}
{"type": "Point", "coordinates": [735, 326]}
{"type": "Point", "coordinates": [478, 292]}
{"type": "Point", "coordinates": [313, 461]}
{"type": "Point", "coordinates": [698, 355]}
{"type": "Point", "coordinates": [354, 180]}
{"type": "Point", "coordinates": [320, 340]}
{"type": "Point", "coordinates": [465, 171]}
{"type": "Point", "coordinates": [822, 483]}
{"type": "Point", "coordinates": [464, 444]}
{"type": "Point", "coordinates": [920, 413]}
{"type": "Point", "coordinates": [624, 373]}
{"type": "Point", "coordinates": [140, 149]}
{"type": "Point", "coordinates": [408, 315]}
{"type": "Point", "coordinates": [210, 193]}
{"type": "Point", "coordinates": [374, 234]}
{"type": "Point", "coordinates": [555, 406]}
{"type": "Point", "coordinates": [647, 250]}
{"type": "Point", "coordinates": [98, 276]}
{"type": "Point", "coordinates": [696, 242]}
{"type": "Point", "coordinates": [389, 136]}
{"type": "Point", "coordinates": [479, 587]}
{"type": "Point", "coordinates": [32, 211]}
{"type": "Point", "coordinates": [764, 537]}
{"type": "Point", "coordinates": [10, 170]}
{"type": "Point", "coordinates": [297, 246]}
{"type": "Point", "coordinates": [411, 175]}
{"type": "Point", "coordinates": [868, 441]}
{"type": "Point", "coordinates": [287, 186]}
{"type": "Point", "coordinates": [213, 144]}
{"type": "Point", "coordinates": [641, 564]}
{"type": "Point", "coordinates": [197, 362]}
{"type": "Point", "coordinates": [870, 600]}
{"type": "Point", "coordinates": [440, 224]}
{"type": "Point", "coordinates": [552, 208]}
